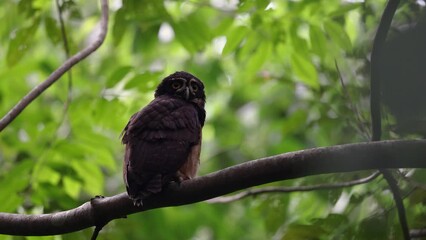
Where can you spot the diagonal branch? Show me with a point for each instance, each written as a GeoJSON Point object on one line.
{"type": "Point", "coordinates": [341, 158]}
{"type": "Point", "coordinates": [328, 186]}
{"type": "Point", "coordinates": [379, 41]}
{"type": "Point", "coordinates": [68, 64]}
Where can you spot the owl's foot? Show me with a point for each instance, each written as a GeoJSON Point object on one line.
{"type": "Point", "coordinates": [97, 197]}
{"type": "Point", "coordinates": [139, 198]}
{"type": "Point", "coordinates": [138, 202]}
{"type": "Point", "coordinates": [180, 177]}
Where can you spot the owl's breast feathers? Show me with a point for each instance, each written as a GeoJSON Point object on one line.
{"type": "Point", "coordinates": [163, 142]}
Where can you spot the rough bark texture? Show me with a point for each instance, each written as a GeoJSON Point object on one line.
{"type": "Point", "coordinates": [341, 158]}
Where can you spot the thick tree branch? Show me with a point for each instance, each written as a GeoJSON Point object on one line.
{"type": "Point", "coordinates": [342, 158]}
{"type": "Point", "coordinates": [39, 89]}
{"type": "Point", "coordinates": [327, 186]}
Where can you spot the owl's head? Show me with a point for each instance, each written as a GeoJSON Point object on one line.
{"type": "Point", "coordinates": [182, 85]}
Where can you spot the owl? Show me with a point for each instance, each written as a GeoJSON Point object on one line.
{"type": "Point", "coordinates": [163, 140]}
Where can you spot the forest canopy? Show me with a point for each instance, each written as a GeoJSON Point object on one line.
{"type": "Point", "coordinates": [280, 76]}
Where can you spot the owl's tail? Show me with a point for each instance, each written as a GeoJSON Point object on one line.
{"type": "Point", "coordinates": [153, 186]}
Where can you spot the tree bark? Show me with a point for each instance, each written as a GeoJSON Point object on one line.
{"type": "Point", "coordinates": [334, 159]}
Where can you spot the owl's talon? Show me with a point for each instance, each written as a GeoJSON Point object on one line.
{"type": "Point", "coordinates": [138, 202]}
{"type": "Point", "coordinates": [97, 197]}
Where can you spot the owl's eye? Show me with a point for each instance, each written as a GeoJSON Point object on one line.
{"type": "Point", "coordinates": [176, 85]}
{"type": "Point", "coordinates": [194, 87]}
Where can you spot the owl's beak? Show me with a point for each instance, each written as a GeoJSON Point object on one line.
{"type": "Point", "coordinates": [187, 93]}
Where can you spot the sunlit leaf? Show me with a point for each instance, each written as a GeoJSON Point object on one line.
{"type": "Point", "coordinates": [12, 184]}
{"type": "Point", "coordinates": [52, 30]}
{"type": "Point", "coordinates": [41, 4]}
{"type": "Point", "coordinates": [143, 81]}
{"type": "Point", "coordinates": [223, 26]}
{"type": "Point", "coordinates": [183, 36]}
{"type": "Point", "coordinates": [318, 40]}
{"type": "Point", "coordinates": [338, 34]}
{"type": "Point", "coordinates": [344, 9]}
{"type": "Point", "coordinates": [192, 32]}
{"type": "Point", "coordinates": [257, 60]}
{"type": "Point", "coordinates": [91, 175]}
{"type": "Point", "coordinates": [20, 42]}
{"type": "Point", "coordinates": [234, 38]}
{"type": "Point", "coordinates": [118, 75]}
{"type": "Point", "coordinates": [120, 25]}
{"type": "Point", "coordinates": [48, 175]}
{"type": "Point", "coordinates": [71, 187]}
{"type": "Point", "coordinates": [304, 70]}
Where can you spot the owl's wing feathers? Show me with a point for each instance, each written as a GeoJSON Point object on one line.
{"type": "Point", "coordinates": [159, 140]}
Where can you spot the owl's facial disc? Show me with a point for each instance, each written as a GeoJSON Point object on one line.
{"type": "Point", "coordinates": [181, 88]}
{"type": "Point", "coordinates": [193, 86]}
{"type": "Point", "coordinates": [185, 88]}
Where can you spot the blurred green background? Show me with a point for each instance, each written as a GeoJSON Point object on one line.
{"type": "Point", "coordinates": [271, 85]}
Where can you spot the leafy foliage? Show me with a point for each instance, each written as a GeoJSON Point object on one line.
{"type": "Point", "coordinates": [272, 87]}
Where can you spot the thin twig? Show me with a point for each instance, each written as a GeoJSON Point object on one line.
{"type": "Point", "coordinates": [379, 41]}
{"type": "Point", "coordinates": [393, 185]}
{"type": "Point", "coordinates": [255, 192]}
{"type": "Point", "coordinates": [361, 127]}
{"type": "Point", "coordinates": [39, 89]}
{"type": "Point", "coordinates": [67, 54]}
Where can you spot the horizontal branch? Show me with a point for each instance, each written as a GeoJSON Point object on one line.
{"type": "Point", "coordinates": [341, 158]}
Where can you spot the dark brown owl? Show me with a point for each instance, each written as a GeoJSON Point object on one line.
{"type": "Point", "coordinates": [163, 140]}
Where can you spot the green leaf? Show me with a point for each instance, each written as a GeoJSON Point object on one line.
{"type": "Point", "coordinates": [52, 30]}
{"type": "Point", "coordinates": [304, 70]}
{"type": "Point", "coordinates": [21, 42]}
{"type": "Point", "coordinates": [143, 81]}
{"type": "Point", "coordinates": [295, 122]}
{"type": "Point", "coordinates": [71, 187]}
{"type": "Point", "coordinates": [318, 41]}
{"type": "Point", "coordinates": [182, 35]}
{"type": "Point", "coordinates": [373, 228]}
{"type": "Point", "coordinates": [192, 32]}
{"type": "Point", "coordinates": [223, 26]}
{"type": "Point", "coordinates": [120, 26]}
{"type": "Point", "coordinates": [118, 75]}
{"type": "Point", "coordinates": [234, 38]}
{"type": "Point", "coordinates": [13, 183]}
{"type": "Point", "coordinates": [344, 9]}
{"type": "Point", "coordinates": [10, 202]}
{"type": "Point", "coordinates": [91, 175]}
{"type": "Point", "coordinates": [338, 35]}
{"type": "Point", "coordinates": [300, 231]}
{"type": "Point", "coordinates": [299, 44]}
{"type": "Point", "coordinates": [42, 4]}
{"type": "Point", "coordinates": [262, 4]}
{"type": "Point", "coordinates": [251, 42]}
{"type": "Point", "coordinates": [42, 238]}
{"type": "Point", "coordinates": [257, 60]}
{"type": "Point", "coordinates": [48, 175]}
